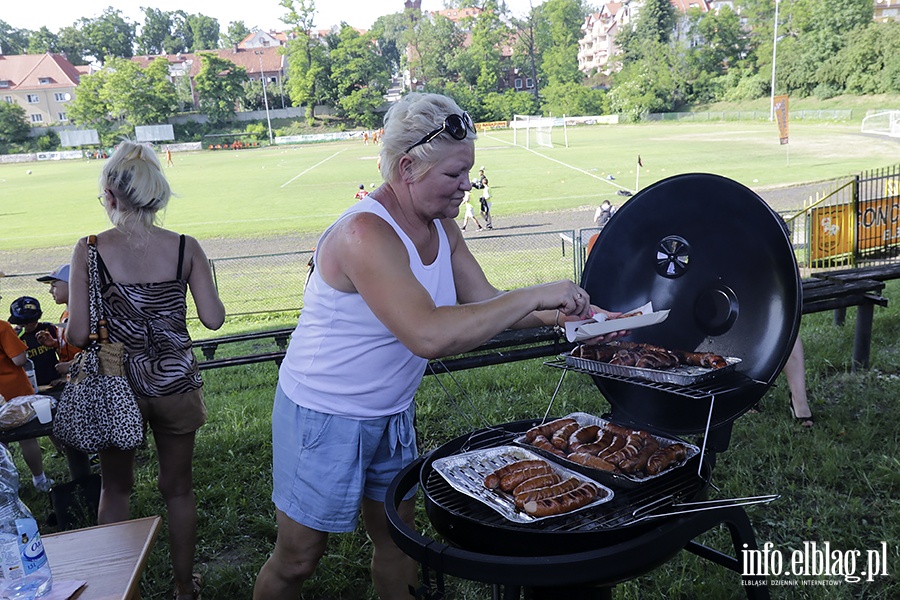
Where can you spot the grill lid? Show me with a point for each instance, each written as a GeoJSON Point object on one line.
{"type": "Point", "coordinates": [715, 254]}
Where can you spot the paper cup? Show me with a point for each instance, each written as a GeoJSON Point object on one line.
{"type": "Point", "coordinates": [41, 407]}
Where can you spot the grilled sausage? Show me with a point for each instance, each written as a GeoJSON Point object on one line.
{"type": "Point", "coordinates": [548, 429]}
{"type": "Point", "coordinates": [638, 462]}
{"type": "Point", "coordinates": [665, 457]}
{"type": "Point", "coordinates": [618, 429]}
{"type": "Point", "coordinates": [541, 481]}
{"type": "Point", "coordinates": [583, 495]}
{"type": "Point", "coordinates": [702, 359]}
{"type": "Point", "coordinates": [588, 460]}
{"type": "Point", "coordinates": [509, 482]}
{"type": "Point", "coordinates": [617, 443]}
{"type": "Point", "coordinates": [560, 437]}
{"type": "Point", "coordinates": [632, 446]}
{"type": "Point", "coordinates": [492, 481]}
{"type": "Point", "coordinates": [584, 435]}
{"type": "Point", "coordinates": [544, 444]}
{"type": "Point", "coordinates": [545, 492]}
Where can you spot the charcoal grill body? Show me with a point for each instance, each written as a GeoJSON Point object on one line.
{"type": "Point", "coordinates": [556, 557]}
{"type": "Point", "coordinates": [714, 254]}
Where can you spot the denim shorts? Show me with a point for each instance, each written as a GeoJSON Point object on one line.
{"type": "Point", "coordinates": [323, 465]}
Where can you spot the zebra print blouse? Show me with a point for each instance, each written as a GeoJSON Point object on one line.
{"type": "Point", "coordinates": [150, 320]}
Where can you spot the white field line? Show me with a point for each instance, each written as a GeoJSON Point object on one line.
{"type": "Point", "coordinates": [574, 168]}
{"type": "Point", "coordinates": [322, 162]}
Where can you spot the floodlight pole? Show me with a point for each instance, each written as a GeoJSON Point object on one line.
{"type": "Point", "coordinates": [262, 79]}
{"type": "Point", "coordinates": [774, 48]}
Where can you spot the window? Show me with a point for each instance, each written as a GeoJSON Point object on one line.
{"type": "Point", "coordinates": [8, 99]}
{"type": "Point", "coordinates": [37, 118]}
{"type": "Point", "coordinates": [44, 81]}
{"type": "Point", "coordinates": [518, 83]}
{"type": "Point", "coordinates": [61, 116]}
{"type": "Point", "coordinates": [529, 83]}
{"type": "Point", "coordinates": [33, 99]}
{"type": "Point", "coordinates": [4, 83]}
{"type": "Point", "coordinates": [60, 97]}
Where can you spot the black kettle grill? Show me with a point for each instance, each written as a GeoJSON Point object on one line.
{"type": "Point", "coordinates": [713, 253]}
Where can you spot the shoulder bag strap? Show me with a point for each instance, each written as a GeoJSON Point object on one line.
{"type": "Point", "coordinates": [98, 323]}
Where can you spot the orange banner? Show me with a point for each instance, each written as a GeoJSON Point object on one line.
{"type": "Point", "coordinates": [781, 115]}
{"type": "Point", "coordinates": [832, 231]}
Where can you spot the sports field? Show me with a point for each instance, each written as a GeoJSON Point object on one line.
{"type": "Point", "coordinates": [300, 189]}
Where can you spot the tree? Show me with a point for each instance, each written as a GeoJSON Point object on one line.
{"type": "Point", "coordinates": [557, 34]}
{"type": "Point", "coordinates": [90, 107]}
{"type": "Point", "coordinates": [109, 35]}
{"type": "Point", "coordinates": [488, 34]}
{"type": "Point", "coordinates": [389, 32]}
{"type": "Point", "coordinates": [154, 32]}
{"type": "Point", "coordinates": [13, 126]}
{"type": "Point", "coordinates": [205, 31]}
{"type": "Point", "coordinates": [572, 99]}
{"type": "Point", "coordinates": [73, 44]}
{"type": "Point", "coordinates": [220, 85]}
{"type": "Point", "coordinates": [654, 25]}
{"type": "Point", "coordinates": [235, 33]}
{"type": "Point", "coordinates": [360, 76]}
{"type": "Point", "coordinates": [42, 41]}
{"type": "Point", "coordinates": [307, 60]}
{"type": "Point", "coordinates": [139, 96]}
{"type": "Point", "coordinates": [12, 41]}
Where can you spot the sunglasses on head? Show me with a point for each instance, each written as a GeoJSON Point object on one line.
{"type": "Point", "coordinates": [456, 125]}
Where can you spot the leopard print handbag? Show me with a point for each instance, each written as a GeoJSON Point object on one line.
{"type": "Point", "coordinates": [98, 409]}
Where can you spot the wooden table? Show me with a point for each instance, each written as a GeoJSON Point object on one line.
{"type": "Point", "coordinates": [111, 558]}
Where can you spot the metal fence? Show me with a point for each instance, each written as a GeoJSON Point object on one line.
{"type": "Point", "coordinates": [851, 221]}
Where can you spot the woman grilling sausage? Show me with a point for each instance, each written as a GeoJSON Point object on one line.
{"type": "Point", "coordinates": [393, 285]}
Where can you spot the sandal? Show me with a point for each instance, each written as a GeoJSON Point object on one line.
{"type": "Point", "coordinates": [197, 583]}
{"type": "Point", "coordinates": [805, 422]}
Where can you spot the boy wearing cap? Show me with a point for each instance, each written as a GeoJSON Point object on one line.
{"type": "Point", "coordinates": [59, 289]}
{"type": "Point", "coordinates": [25, 313]}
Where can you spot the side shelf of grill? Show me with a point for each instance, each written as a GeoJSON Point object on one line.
{"type": "Point", "coordinates": [726, 383]}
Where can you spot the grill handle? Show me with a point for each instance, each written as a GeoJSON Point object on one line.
{"type": "Point", "coordinates": [692, 507]}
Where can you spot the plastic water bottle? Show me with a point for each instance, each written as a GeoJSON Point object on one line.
{"type": "Point", "coordinates": [25, 570]}
{"type": "Point", "coordinates": [29, 370]}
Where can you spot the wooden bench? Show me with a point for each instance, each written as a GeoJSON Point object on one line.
{"type": "Point", "coordinates": [820, 294]}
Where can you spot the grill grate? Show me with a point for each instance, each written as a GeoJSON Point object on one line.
{"type": "Point", "coordinates": [627, 507]}
{"type": "Point", "coordinates": [727, 383]}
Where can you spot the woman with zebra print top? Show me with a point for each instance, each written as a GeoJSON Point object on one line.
{"type": "Point", "coordinates": [146, 272]}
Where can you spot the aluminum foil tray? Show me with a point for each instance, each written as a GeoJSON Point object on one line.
{"type": "Point", "coordinates": [625, 479]}
{"type": "Point", "coordinates": [680, 375]}
{"type": "Point", "coordinates": [466, 472]}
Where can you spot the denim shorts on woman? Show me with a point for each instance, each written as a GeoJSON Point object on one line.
{"type": "Point", "coordinates": [323, 465]}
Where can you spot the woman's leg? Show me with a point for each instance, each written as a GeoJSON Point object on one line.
{"type": "Point", "coordinates": [176, 484]}
{"type": "Point", "coordinates": [297, 552]}
{"type": "Point", "coordinates": [393, 572]}
{"type": "Point", "coordinates": [117, 468]}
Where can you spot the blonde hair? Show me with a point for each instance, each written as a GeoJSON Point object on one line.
{"type": "Point", "coordinates": [407, 121]}
{"type": "Point", "coordinates": [134, 176]}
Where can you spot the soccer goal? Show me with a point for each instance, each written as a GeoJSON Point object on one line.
{"type": "Point", "coordinates": [882, 123]}
{"type": "Point", "coordinates": [535, 129]}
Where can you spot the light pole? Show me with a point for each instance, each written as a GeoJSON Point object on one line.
{"type": "Point", "coordinates": [262, 79]}
{"type": "Point", "coordinates": [774, 48]}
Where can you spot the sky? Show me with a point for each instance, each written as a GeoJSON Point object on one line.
{"type": "Point", "coordinates": [262, 14]}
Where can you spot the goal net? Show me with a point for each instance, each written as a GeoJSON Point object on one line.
{"type": "Point", "coordinates": [532, 129]}
{"type": "Point", "coordinates": [882, 123]}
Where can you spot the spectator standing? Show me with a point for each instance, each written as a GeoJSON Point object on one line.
{"type": "Point", "coordinates": [14, 383]}
{"type": "Point", "coordinates": [145, 274]}
{"type": "Point", "coordinates": [485, 201]}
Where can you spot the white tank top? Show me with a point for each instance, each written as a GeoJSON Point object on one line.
{"type": "Point", "coordinates": [341, 359]}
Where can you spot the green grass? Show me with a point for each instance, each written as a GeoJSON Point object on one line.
{"type": "Point", "coordinates": [301, 189]}
{"type": "Point", "coordinates": [838, 482]}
